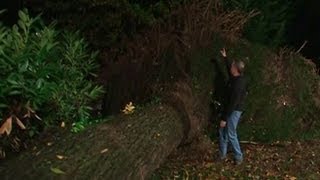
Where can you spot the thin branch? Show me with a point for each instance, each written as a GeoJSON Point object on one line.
{"type": "Point", "coordinates": [303, 45]}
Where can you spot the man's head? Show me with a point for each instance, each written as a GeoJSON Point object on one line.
{"type": "Point", "coordinates": [237, 68]}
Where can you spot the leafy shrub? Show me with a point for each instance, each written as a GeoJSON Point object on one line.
{"type": "Point", "coordinates": [46, 72]}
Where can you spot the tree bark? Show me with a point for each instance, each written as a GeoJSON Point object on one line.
{"type": "Point", "coordinates": [128, 147]}
{"type": "Point", "coordinates": [131, 147]}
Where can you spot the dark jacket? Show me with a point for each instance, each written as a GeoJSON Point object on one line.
{"type": "Point", "coordinates": [236, 92]}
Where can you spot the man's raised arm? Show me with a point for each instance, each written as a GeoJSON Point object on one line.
{"type": "Point", "coordinates": [227, 61]}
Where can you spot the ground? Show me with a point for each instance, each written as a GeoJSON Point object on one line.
{"type": "Point", "coordinates": [279, 160]}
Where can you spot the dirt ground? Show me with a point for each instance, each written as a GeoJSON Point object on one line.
{"type": "Point", "coordinates": [279, 160]}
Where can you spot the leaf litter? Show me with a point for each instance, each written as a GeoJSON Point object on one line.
{"type": "Point", "coordinates": [279, 160]}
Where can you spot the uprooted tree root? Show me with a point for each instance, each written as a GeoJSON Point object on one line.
{"type": "Point", "coordinates": [160, 55]}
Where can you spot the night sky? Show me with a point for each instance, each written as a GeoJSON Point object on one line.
{"type": "Point", "coordinates": [306, 27]}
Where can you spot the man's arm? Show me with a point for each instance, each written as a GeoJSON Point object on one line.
{"type": "Point", "coordinates": [227, 61]}
{"type": "Point", "coordinates": [228, 64]}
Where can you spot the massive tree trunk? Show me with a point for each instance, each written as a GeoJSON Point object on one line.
{"type": "Point", "coordinates": [128, 147]}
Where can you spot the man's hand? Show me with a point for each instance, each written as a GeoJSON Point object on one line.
{"type": "Point", "coordinates": [223, 52]}
{"type": "Point", "coordinates": [223, 124]}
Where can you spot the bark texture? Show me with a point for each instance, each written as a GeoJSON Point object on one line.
{"type": "Point", "coordinates": [128, 147]}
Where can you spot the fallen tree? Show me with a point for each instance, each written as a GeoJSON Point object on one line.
{"type": "Point", "coordinates": [128, 147]}
{"type": "Point", "coordinates": [131, 147]}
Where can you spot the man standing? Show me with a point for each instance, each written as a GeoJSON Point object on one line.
{"type": "Point", "coordinates": [236, 94]}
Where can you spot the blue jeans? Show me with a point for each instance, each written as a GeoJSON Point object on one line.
{"type": "Point", "coordinates": [229, 134]}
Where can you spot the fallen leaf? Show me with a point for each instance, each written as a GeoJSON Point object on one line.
{"type": "Point", "coordinates": [61, 157]}
{"type": "Point", "coordinates": [208, 165]}
{"type": "Point", "coordinates": [6, 126]}
{"type": "Point", "coordinates": [20, 124]}
{"type": "Point", "coordinates": [129, 108]}
{"type": "Point", "coordinates": [63, 124]}
{"type": "Point", "coordinates": [37, 154]}
{"type": "Point", "coordinates": [27, 115]}
{"type": "Point", "coordinates": [29, 108]}
{"type": "Point", "coordinates": [57, 170]}
{"type": "Point", "coordinates": [271, 173]}
{"type": "Point", "coordinates": [104, 151]}
{"type": "Point", "coordinates": [38, 117]}
{"type": "Point", "coordinates": [290, 177]}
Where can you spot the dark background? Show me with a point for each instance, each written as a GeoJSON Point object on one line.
{"type": "Point", "coordinates": [305, 25]}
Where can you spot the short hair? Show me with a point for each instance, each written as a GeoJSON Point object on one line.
{"type": "Point", "coordinates": [240, 65]}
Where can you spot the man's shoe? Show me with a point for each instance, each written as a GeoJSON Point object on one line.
{"type": "Point", "coordinates": [221, 158]}
{"type": "Point", "coordinates": [238, 162]}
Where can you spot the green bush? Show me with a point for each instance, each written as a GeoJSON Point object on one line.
{"type": "Point", "coordinates": [46, 72]}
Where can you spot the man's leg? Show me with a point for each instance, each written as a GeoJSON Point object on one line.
{"type": "Point", "coordinates": [232, 134]}
{"type": "Point", "coordinates": [223, 140]}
